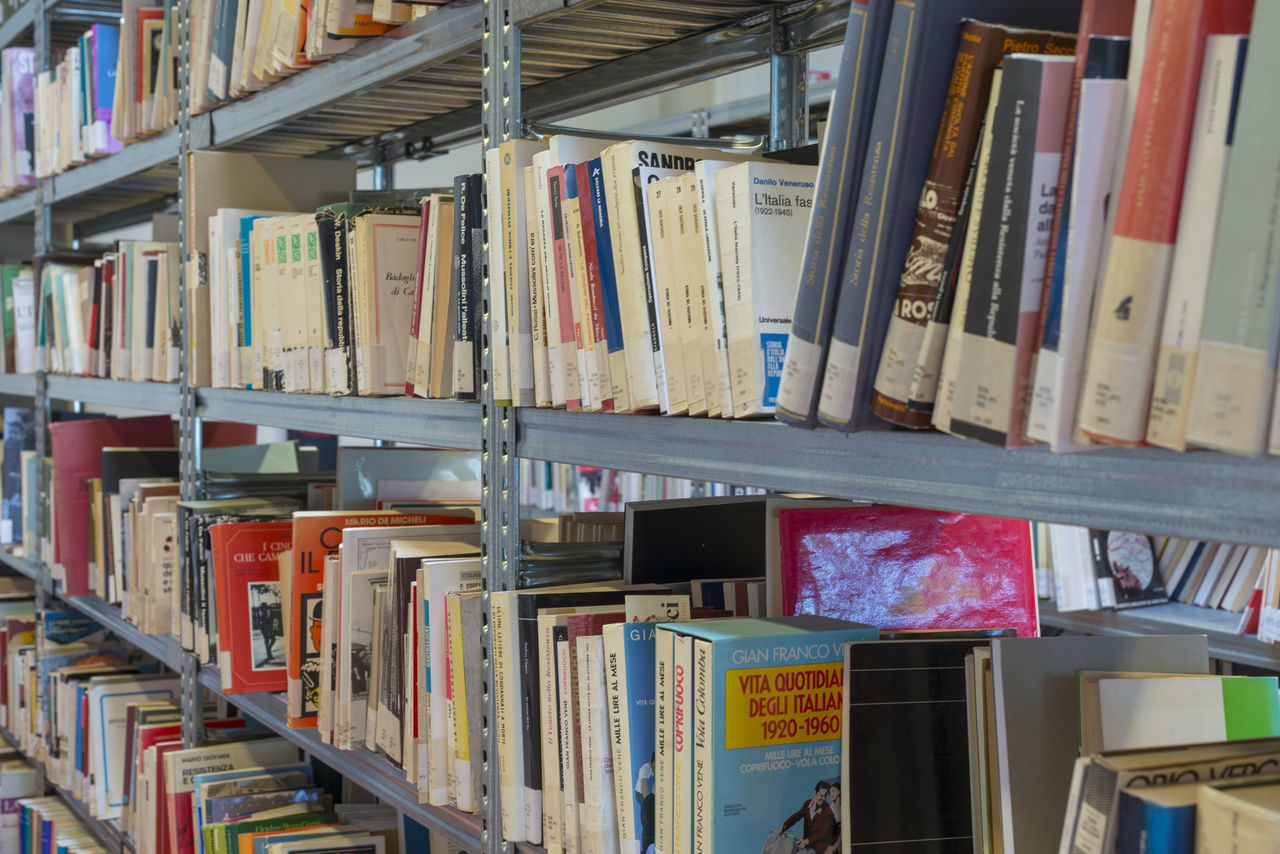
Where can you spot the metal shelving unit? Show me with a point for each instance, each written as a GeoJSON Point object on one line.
{"type": "Point", "coordinates": [483, 69]}
{"type": "Point", "coordinates": [367, 770]}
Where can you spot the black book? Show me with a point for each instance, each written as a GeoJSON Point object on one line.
{"type": "Point", "coordinates": [19, 436]}
{"type": "Point", "coordinates": [905, 769]}
{"type": "Point", "coordinates": [468, 243]}
{"type": "Point", "coordinates": [1129, 560]}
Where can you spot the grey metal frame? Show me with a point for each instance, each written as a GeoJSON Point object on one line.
{"type": "Point", "coordinates": [524, 84]}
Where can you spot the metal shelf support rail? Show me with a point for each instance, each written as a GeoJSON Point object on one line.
{"type": "Point", "coordinates": [500, 51]}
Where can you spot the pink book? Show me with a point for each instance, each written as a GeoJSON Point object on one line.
{"type": "Point", "coordinates": [564, 289]}
{"type": "Point", "coordinates": [595, 293]}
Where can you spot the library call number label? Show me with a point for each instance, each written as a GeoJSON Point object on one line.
{"type": "Point", "coordinates": [769, 706]}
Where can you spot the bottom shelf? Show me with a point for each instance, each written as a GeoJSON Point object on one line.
{"type": "Point", "coordinates": [1174, 618]}
{"type": "Point", "coordinates": [371, 772]}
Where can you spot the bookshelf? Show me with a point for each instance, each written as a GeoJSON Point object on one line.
{"type": "Point", "coordinates": [484, 69]}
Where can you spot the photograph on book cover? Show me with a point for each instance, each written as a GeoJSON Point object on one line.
{"type": "Point", "coordinates": [313, 609]}
{"type": "Point", "coordinates": [268, 625]}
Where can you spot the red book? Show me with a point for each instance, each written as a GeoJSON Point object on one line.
{"type": "Point", "coordinates": [246, 575]}
{"type": "Point", "coordinates": [906, 568]}
{"type": "Point", "coordinates": [583, 625]}
{"type": "Point", "coordinates": [415, 316]}
{"type": "Point", "coordinates": [594, 293]}
{"type": "Point", "coordinates": [227, 434]}
{"type": "Point", "coordinates": [77, 459]}
{"type": "Point", "coordinates": [315, 535]}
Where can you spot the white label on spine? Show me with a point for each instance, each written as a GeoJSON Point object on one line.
{"type": "Point", "coordinates": [799, 376]}
{"type": "Point", "coordinates": [839, 381]}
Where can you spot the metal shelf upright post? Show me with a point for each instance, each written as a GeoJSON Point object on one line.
{"type": "Point", "coordinates": [500, 119]}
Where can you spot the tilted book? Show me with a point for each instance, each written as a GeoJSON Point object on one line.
{"type": "Point", "coordinates": [251, 641]}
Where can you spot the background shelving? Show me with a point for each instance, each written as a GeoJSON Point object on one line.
{"type": "Point", "coordinates": [481, 69]}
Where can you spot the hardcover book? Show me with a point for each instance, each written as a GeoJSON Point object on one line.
{"type": "Point", "coordinates": [1127, 562]}
{"type": "Point", "coordinates": [251, 642]}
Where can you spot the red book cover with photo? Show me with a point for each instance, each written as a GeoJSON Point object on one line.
{"type": "Point", "coordinates": [899, 568]}
{"type": "Point", "coordinates": [246, 574]}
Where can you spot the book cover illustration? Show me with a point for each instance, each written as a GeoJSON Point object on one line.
{"type": "Point", "coordinates": [1128, 560]}
{"type": "Point", "coordinates": [249, 607]}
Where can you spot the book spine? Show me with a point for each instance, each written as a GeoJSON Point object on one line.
{"type": "Point", "coordinates": [570, 834]}
{"type": "Point", "coordinates": [626, 239]}
{"type": "Point", "coordinates": [659, 202]}
{"type": "Point", "coordinates": [415, 315]}
{"type": "Point", "coordinates": [682, 745]}
{"type": "Point", "coordinates": [648, 278]}
{"type": "Point", "coordinates": [552, 809]}
{"type": "Point", "coordinates": [1235, 375]}
{"type": "Point", "coordinates": [579, 291]}
{"type": "Point", "coordinates": [1220, 79]}
{"type": "Point", "coordinates": [662, 813]}
{"type": "Point", "coordinates": [615, 675]}
{"type": "Point", "coordinates": [540, 371]}
{"type": "Point", "coordinates": [564, 289]}
{"type": "Point", "coordinates": [843, 150]}
{"type": "Point", "coordinates": [703, 721]}
{"type": "Point", "coordinates": [846, 353]}
{"type": "Point", "coordinates": [715, 285]}
{"type": "Point", "coordinates": [506, 688]}
{"type": "Point", "coordinates": [504, 335]}
{"type": "Point", "coordinates": [591, 784]}
{"type": "Point", "coordinates": [609, 307]}
{"type": "Point", "coordinates": [466, 358]}
{"type": "Point", "coordinates": [978, 48]}
{"type": "Point", "coordinates": [531, 730]}
{"type": "Point", "coordinates": [1121, 360]}
{"type": "Point", "coordinates": [595, 287]}
{"type": "Point", "coordinates": [516, 272]}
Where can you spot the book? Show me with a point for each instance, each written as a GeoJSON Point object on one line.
{"type": "Point", "coordinates": [1126, 562]}
{"type": "Point", "coordinates": [840, 165]}
{"type": "Point", "coordinates": [1121, 360]}
{"type": "Point", "coordinates": [1244, 817]}
{"type": "Point", "coordinates": [251, 642]}
{"type": "Point", "coordinates": [837, 561]}
{"type": "Point", "coordinates": [895, 691]}
{"type": "Point", "coordinates": [755, 200]}
{"type": "Point", "coordinates": [783, 703]}
{"type": "Point", "coordinates": [19, 436]}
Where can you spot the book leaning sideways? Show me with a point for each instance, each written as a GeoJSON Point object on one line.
{"type": "Point", "coordinates": [766, 728]}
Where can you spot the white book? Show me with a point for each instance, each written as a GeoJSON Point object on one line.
{"type": "Point", "coordinates": [1056, 395]}
{"type": "Point", "coordinates": [107, 736]}
{"type": "Point", "coordinates": [24, 323]}
{"type": "Point", "coordinates": [1193, 247]}
{"type": "Point", "coordinates": [716, 346]}
{"type": "Point", "coordinates": [559, 363]}
{"type": "Point", "coordinates": [355, 650]}
{"type": "Point", "coordinates": [598, 774]}
{"type": "Point", "coordinates": [442, 575]}
{"type": "Point", "coordinates": [660, 201]}
{"type": "Point", "coordinates": [1074, 587]}
{"type": "Point", "coordinates": [762, 215]}
{"type": "Point", "coordinates": [570, 835]}
{"type": "Point", "coordinates": [332, 609]}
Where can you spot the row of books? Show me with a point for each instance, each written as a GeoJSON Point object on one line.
{"type": "Point", "coordinates": [389, 297]}
{"type": "Point", "coordinates": [988, 287]}
{"type": "Point", "coordinates": [241, 48]}
{"type": "Point", "coordinates": [118, 84]}
{"type": "Point", "coordinates": [106, 727]}
{"type": "Point", "coordinates": [47, 823]}
{"type": "Point", "coordinates": [568, 488]}
{"type": "Point", "coordinates": [1093, 569]}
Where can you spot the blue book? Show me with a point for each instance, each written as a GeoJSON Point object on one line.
{"type": "Point", "coordinates": [629, 663]}
{"type": "Point", "coordinates": [1158, 819]}
{"type": "Point", "coordinates": [839, 173]}
{"type": "Point", "coordinates": [917, 65]}
{"type": "Point", "coordinates": [608, 277]}
{"type": "Point", "coordinates": [767, 702]}
{"type": "Point", "coordinates": [246, 284]}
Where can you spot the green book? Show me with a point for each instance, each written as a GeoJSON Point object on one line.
{"type": "Point", "coordinates": [228, 841]}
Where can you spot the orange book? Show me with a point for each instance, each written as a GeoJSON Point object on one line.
{"type": "Point", "coordinates": [315, 535]}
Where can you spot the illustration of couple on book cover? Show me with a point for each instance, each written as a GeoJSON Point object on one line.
{"type": "Point", "coordinates": [819, 819]}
